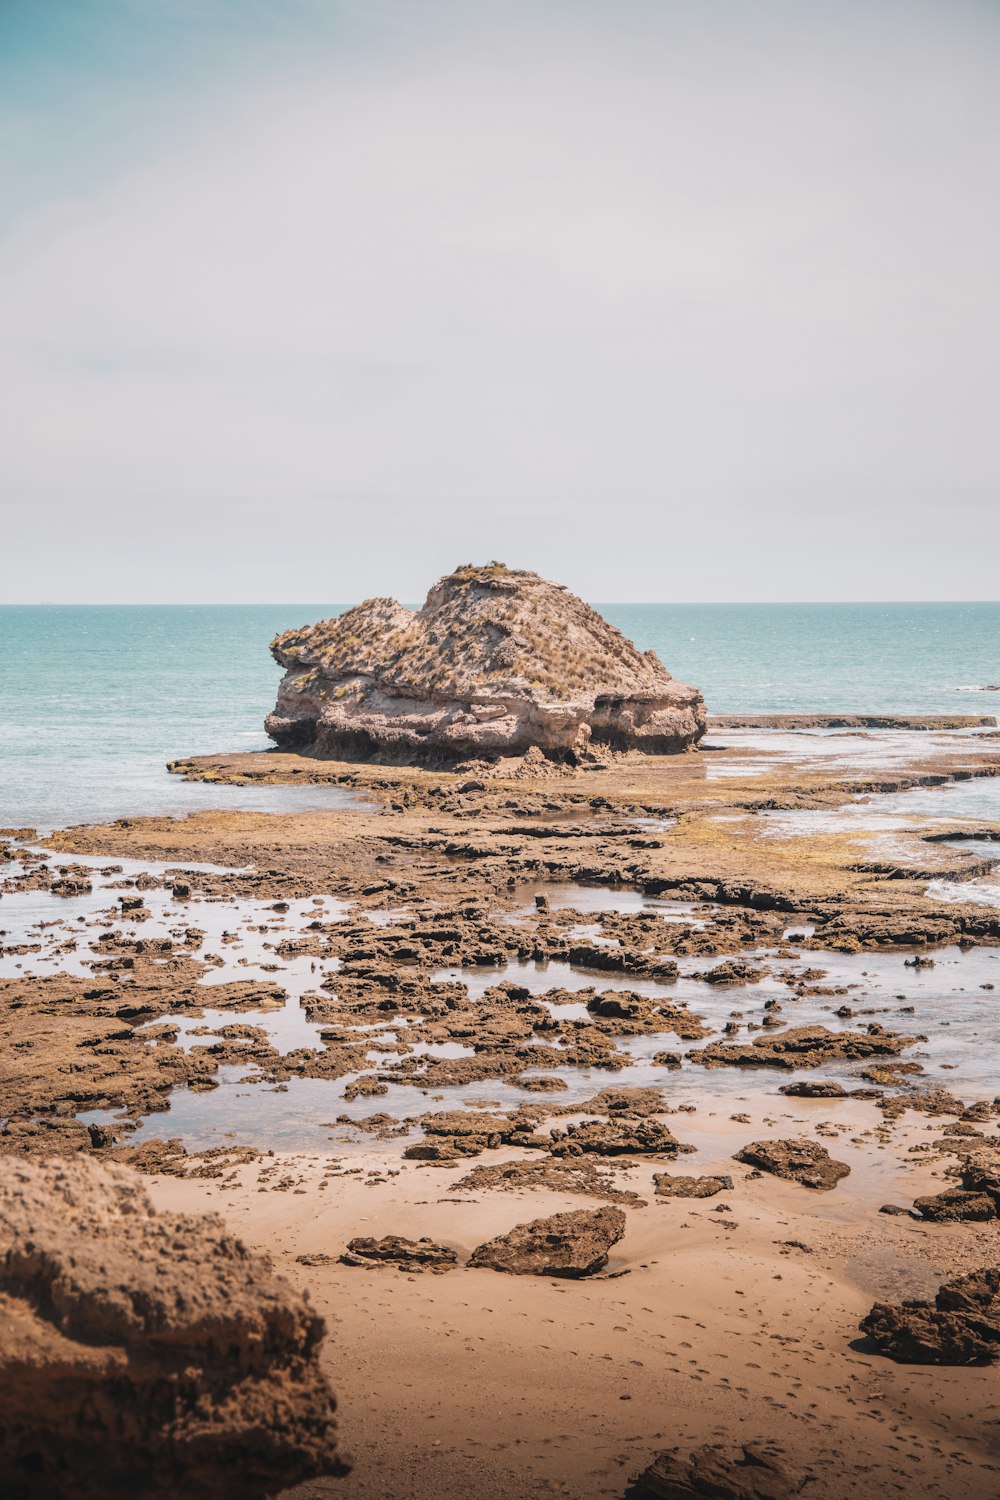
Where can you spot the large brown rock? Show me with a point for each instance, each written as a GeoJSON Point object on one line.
{"type": "Point", "coordinates": [570, 1244]}
{"type": "Point", "coordinates": [496, 662]}
{"type": "Point", "coordinates": [761, 1472]}
{"type": "Point", "coordinates": [147, 1354]}
{"type": "Point", "coordinates": [960, 1327]}
{"type": "Point", "coordinates": [955, 1205]}
{"type": "Point", "coordinates": [806, 1162]}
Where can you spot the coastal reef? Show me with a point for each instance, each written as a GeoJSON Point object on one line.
{"type": "Point", "coordinates": [497, 662]}
{"type": "Point", "coordinates": [147, 1354]}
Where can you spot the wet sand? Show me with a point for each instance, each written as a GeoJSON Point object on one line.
{"type": "Point", "coordinates": [476, 1383]}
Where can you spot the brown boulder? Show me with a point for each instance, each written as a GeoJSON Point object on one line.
{"type": "Point", "coordinates": [961, 1326]}
{"type": "Point", "coordinates": [801, 1161]}
{"type": "Point", "coordinates": [147, 1354]}
{"type": "Point", "coordinates": [955, 1205]}
{"type": "Point", "coordinates": [760, 1473]}
{"type": "Point", "coordinates": [569, 1244]}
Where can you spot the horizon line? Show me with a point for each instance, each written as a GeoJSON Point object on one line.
{"type": "Point", "coordinates": [350, 603]}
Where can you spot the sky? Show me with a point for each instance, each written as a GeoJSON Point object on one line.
{"type": "Point", "coordinates": [666, 299]}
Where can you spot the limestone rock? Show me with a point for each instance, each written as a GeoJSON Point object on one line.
{"type": "Point", "coordinates": [814, 1089]}
{"type": "Point", "coordinates": [803, 1047]}
{"type": "Point", "coordinates": [760, 1473]}
{"type": "Point", "coordinates": [617, 1137]}
{"type": "Point", "coordinates": [569, 1244]}
{"type": "Point", "coordinates": [806, 1162]}
{"type": "Point", "coordinates": [667, 1186]}
{"type": "Point", "coordinates": [960, 1327]}
{"type": "Point", "coordinates": [497, 662]}
{"type": "Point", "coordinates": [147, 1354]}
{"type": "Point", "coordinates": [405, 1255]}
{"type": "Point", "coordinates": [955, 1205]}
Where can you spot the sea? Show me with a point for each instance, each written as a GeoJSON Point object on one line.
{"type": "Point", "coordinates": [95, 700]}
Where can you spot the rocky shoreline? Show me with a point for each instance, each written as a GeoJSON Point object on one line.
{"type": "Point", "coordinates": [524, 991]}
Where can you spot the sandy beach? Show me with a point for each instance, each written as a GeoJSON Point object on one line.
{"type": "Point", "coordinates": [727, 1326]}
{"type": "Point", "coordinates": [572, 930]}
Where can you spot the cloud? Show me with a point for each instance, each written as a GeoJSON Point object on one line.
{"type": "Point", "coordinates": [608, 299]}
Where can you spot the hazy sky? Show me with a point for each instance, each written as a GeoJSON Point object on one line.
{"type": "Point", "coordinates": [317, 299]}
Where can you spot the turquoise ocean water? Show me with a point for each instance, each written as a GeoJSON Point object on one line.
{"type": "Point", "coordinates": [95, 700]}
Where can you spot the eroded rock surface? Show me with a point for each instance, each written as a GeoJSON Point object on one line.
{"type": "Point", "coordinates": [760, 1472]}
{"type": "Point", "coordinates": [667, 1186]}
{"type": "Point", "coordinates": [570, 1244]}
{"type": "Point", "coordinates": [147, 1354]}
{"type": "Point", "coordinates": [801, 1161]}
{"type": "Point", "coordinates": [498, 662]}
{"type": "Point", "coordinates": [405, 1255]}
{"type": "Point", "coordinates": [803, 1047]}
{"type": "Point", "coordinates": [960, 1327]}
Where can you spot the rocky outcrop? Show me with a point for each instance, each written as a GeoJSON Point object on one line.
{"type": "Point", "coordinates": [617, 1137]}
{"type": "Point", "coordinates": [761, 1472]}
{"type": "Point", "coordinates": [960, 1327]}
{"type": "Point", "coordinates": [976, 1200]}
{"type": "Point", "coordinates": [570, 1244]}
{"type": "Point", "coordinates": [497, 662]}
{"type": "Point", "coordinates": [578, 1175]}
{"type": "Point", "coordinates": [955, 1205]}
{"type": "Point", "coordinates": [147, 1354]}
{"type": "Point", "coordinates": [803, 1047]}
{"type": "Point", "coordinates": [806, 1162]}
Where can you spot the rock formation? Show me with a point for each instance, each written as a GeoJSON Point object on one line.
{"type": "Point", "coordinates": [806, 1162]}
{"type": "Point", "coordinates": [497, 662]}
{"type": "Point", "coordinates": [666, 1186]}
{"type": "Point", "coordinates": [960, 1327]}
{"type": "Point", "coordinates": [147, 1354]}
{"type": "Point", "coordinates": [761, 1472]}
{"type": "Point", "coordinates": [569, 1244]}
{"type": "Point", "coordinates": [403, 1254]}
